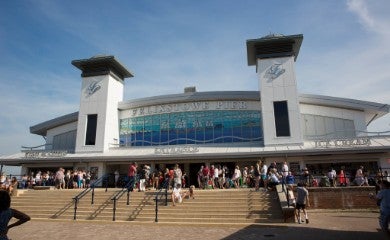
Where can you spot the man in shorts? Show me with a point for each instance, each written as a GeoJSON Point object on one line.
{"type": "Point", "coordinates": [301, 202]}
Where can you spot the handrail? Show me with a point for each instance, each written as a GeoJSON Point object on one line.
{"type": "Point", "coordinates": [120, 193]}
{"type": "Point", "coordinates": [165, 186]}
{"type": "Point", "coordinates": [77, 198]}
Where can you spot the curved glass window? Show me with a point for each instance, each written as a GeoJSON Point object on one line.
{"type": "Point", "coordinates": [203, 127]}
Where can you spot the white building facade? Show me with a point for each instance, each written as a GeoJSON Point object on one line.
{"type": "Point", "coordinates": [273, 123]}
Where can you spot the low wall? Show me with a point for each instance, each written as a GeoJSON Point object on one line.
{"type": "Point", "coordinates": [342, 198]}
{"type": "Point", "coordinates": [331, 198]}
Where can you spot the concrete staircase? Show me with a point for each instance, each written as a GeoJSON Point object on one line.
{"type": "Point", "coordinates": [231, 206]}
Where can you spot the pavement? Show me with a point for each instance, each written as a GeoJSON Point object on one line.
{"type": "Point", "coordinates": [323, 225]}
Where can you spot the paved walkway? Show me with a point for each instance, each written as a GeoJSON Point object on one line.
{"type": "Point", "coordinates": [323, 225]}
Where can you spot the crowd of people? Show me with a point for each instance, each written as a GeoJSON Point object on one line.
{"type": "Point", "coordinates": [60, 179]}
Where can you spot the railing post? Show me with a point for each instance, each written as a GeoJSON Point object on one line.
{"type": "Point", "coordinates": [166, 194]}
{"type": "Point", "coordinates": [114, 209]}
{"type": "Point", "coordinates": [106, 182]}
{"type": "Point", "coordinates": [156, 219]}
{"type": "Point", "coordinates": [128, 197]}
{"type": "Point", "coordinates": [93, 194]}
{"type": "Point", "coordinates": [76, 200]}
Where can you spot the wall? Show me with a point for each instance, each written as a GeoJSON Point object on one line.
{"type": "Point", "coordinates": [342, 198]}
{"type": "Point", "coordinates": [59, 130]}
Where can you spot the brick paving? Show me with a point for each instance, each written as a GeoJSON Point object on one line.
{"type": "Point", "coordinates": [323, 225]}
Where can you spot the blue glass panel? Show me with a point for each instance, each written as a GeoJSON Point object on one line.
{"type": "Point", "coordinates": [218, 133]}
{"type": "Point", "coordinates": [139, 137]}
{"type": "Point", "coordinates": [237, 134]}
{"type": "Point", "coordinates": [192, 127]}
{"type": "Point", "coordinates": [256, 133]}
{"type": "Point", "coordinates": [122, 140]}
{"type": "Point", "coordinates": [199, 133]}
{"type": "Point", "coordinates": [181, 136]}
{"type": "Point", "coordinates": [172, 137]}
{"type": "Point", "coordinates": [147, 139]}
{"type": "Point", "coordinates": [164, 137]}
{"type": "Point", "coordinates": [246, 133]}
{"type": "Point", "coordinates": [191, 136]}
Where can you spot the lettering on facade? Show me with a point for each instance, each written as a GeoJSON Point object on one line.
{"type": "Point", "coordinates": [45, 154]}
{"type": "Point", "coordinates": [334, 143]}
{"type": "Point", "coordinates": [187, 107]}
{"type": "Point", "coordinates": [175, 150]}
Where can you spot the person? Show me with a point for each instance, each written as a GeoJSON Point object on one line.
{"type": "Point", "coordinates": [359, 177]}
{"type": "Point", "coordinates": [324, 181]}
{"type": "Point", "coordinates": [273, 179]}
{"type": "Point", "coordinates": [285, 170]}
{"type": "Point", "coordinates": [342, 178]}
{"type": "Point", "coordinates": [383, 198]}
{"type": "Point", "coordinates": [12, 188]}
{"type": "Point", "coordinates": [290, 194]}
{"type": "Point", "coordinates": [216, 177]}
{"type": "Point", "coordinates": [200, 177]}
{"type": "Point", "coordinates": [142, 179]}
{"type": "Point", "coordinates": [290, 180]}
{"type": "Point", "coordinates": [206, 175]}
{"type": "Point", "coordinates": [7, 213]}
{"type": "Point", "coordinates": [131, 174]}
{"type": "Point", "coordinates": [116, 174]}
{"type": "Point", "coordinates": [177, 174]}
{"type": "Point", "coordinates": [236, 177]}
{"type": "Point", "coordinates": [302, 201]}
{"type": "Point", "coordinates": [332, 177]}
{"type": "Point", "coordinates": [59, 178]}
{"type": "Point", "coordinates": [256, 175]}
{"type": "Point", "coordinates": [177, 196]}
{"type": "Point", "coordinates": [264, 175]}
{"type": "Point", "coordinates": [192, 192]}
{"type": "Point", "coordinates": [305, 176]}
{"type": "Point", "coordinates": [156, 178]}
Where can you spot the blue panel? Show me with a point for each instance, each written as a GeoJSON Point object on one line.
{"type": "Point", "coordinates": [192, 127]}
{"type": "Point", "coordinates": [218, 134]}
{"type": "Point", "coordinates": [164, 137]}
{"type": "Point", "coordinates": [172, 137]}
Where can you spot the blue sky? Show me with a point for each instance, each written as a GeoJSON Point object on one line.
{"type": "Point", "coordinates": [170, 45]}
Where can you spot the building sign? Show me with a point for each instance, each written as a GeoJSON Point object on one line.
{"type": "Point", "coordinates": [274, 71]}
{"type": "Point", "coordinates": [175, 150]}
{"type": "Point", "coordinates": [45, 154]}
{"type": "Point", "coordinates": [335, 143]}
{"type": "Point", "coordinates": [188, 107]}
{"type": "Point", "coordinates": [92, 88]}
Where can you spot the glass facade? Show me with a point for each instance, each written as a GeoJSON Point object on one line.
{"type": "Point", "coordinates": [200, 127]}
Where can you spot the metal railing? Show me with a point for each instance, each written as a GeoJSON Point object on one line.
{"type": "Point", "coordinates": [127, 188]}
{"type": "Point", "coordinates": [77, 198]}
{"type": "Point", "coordinates": [159, 194]}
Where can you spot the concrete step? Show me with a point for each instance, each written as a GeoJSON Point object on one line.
{"type": "Point", "coordinates": [223, 206]}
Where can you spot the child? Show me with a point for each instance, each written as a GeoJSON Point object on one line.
{"type": "Point", "coordinates": [192, 194]}
{"type": "Point", "coordinates": [6, 213]}
{"type": "Point", "coordinates": [302, 201]}
{"type": "Point", "coordinates": [291, 197]}
{"type": "Point", "coordinates": [177, 194]}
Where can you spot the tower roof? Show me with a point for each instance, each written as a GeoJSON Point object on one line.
{"type": "Point", "coordinates": [102, 65]}
{"type": "Point", "coordinates": [273, 45]}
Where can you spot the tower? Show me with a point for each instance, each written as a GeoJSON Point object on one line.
{"type": "Point", "coordinates": [274, 57]}
{"type": "Point", "coordinates": [101, 91]}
